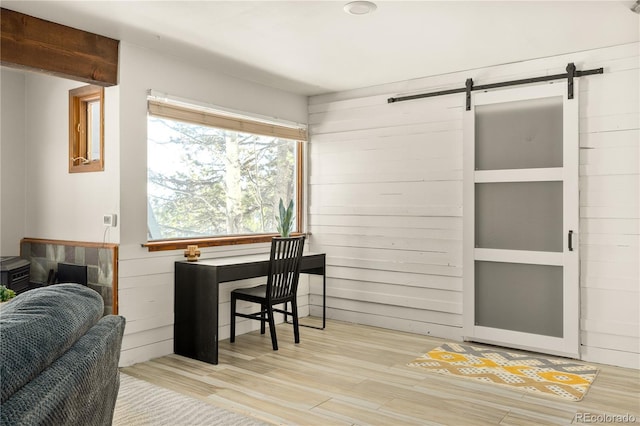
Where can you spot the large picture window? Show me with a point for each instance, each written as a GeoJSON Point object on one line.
{"type": "Point", "coordinates": [218, 177]}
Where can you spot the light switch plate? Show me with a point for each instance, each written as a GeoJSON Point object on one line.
{"type": "Point", "coordinates": [110, 219]}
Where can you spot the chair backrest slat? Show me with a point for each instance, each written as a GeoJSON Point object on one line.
{"type": "Point", "coordinates": [284, 267]}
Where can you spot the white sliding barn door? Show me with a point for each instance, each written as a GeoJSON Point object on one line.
{"type": "Point", "coordinates": [521, 215]}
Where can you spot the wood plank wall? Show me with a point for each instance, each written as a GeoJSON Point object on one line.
{"type": "Point", "coordinates": [385, 201]}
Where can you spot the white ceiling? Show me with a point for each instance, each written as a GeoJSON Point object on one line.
{"type": "Point", "coordinates": [312, 47]}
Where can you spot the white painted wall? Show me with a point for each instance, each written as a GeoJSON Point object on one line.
{"type": "Point", "coordinates": [40, 198]}
{"type": "Point", "coordinates": [386, 201]}
{"type": "Point", "coordinates": [62, 205]}
{"type": "Point", "coordinates": [12, 161]}
{"type": "Point", "coordinates": [146, 279]}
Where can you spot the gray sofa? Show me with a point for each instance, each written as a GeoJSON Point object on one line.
{"type": "Point", "coordinates": [58, 358]}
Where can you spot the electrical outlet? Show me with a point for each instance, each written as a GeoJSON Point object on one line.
{"type": "Point", "coordinates": [110, 220]}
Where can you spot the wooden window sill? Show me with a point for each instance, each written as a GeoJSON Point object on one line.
{"type": "Point", "coordinates": [211, 242]}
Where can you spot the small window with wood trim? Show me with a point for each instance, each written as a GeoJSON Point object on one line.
{"type": "Point", "coordinates": [86, 129]}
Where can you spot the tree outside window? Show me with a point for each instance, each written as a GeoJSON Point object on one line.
{"type": "Point", "coordinates": [205, 181]}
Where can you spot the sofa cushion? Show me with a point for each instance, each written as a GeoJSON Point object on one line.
{"type": "Point", "coordinates": [40, 325]}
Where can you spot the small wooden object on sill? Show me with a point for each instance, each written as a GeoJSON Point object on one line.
{"type": "Point", "coordinates": [192, 253]}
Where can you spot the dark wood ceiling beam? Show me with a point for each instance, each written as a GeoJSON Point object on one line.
{"type": "Point", "coordinates": [38, 45]}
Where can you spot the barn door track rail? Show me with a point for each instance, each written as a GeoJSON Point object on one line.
{"type": "Point", "coordinates": [469, 86]}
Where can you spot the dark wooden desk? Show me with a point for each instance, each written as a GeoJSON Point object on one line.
{"type": "Point", "coordinates": [195, 330]}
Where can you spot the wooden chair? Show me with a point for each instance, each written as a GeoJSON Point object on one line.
{"type": "Point", "coordinates": [281, 287]}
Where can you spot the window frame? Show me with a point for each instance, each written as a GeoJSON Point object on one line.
{"type": "Point", "coordinates": [79, 100]}
{"type": "Point", "coordinates": [233, 121]}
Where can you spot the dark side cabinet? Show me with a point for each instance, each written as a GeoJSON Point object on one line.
{"type": "Point", "coordinates": [15, 273]}
{"type": "Point", "coordinates": [195, 332]}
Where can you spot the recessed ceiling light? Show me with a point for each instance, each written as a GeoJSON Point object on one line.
{"type": "Point", "coordinates": [360, 7]}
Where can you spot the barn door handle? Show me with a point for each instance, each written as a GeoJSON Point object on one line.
{"type": "Point", "coordinates": [570, 240]}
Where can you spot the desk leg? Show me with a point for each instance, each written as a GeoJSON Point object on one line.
{"type": "Point", "coordinates": [324, 298]}
{"type": "Point", "coordinates": [324, 304]}
{"type": "Point", "coordinates": [196, 313]}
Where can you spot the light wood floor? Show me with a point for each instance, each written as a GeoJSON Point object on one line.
{"type": "Point", "coordinates": [356, 375]}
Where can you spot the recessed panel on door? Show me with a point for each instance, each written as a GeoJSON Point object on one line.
{"type": "Point", "coordinates": [519, 134]}
{"type": "Point", "coordinates": [519, 216]}
{"type": "Point", "coordinates": [519, 297]}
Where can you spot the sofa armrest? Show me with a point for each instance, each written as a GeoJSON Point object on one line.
{"type": "Point", "coordinates": [39, 326]}
{"type": "Point", "coordinates": [79, 388]}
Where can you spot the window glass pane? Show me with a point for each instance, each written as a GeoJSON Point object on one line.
{"type": "Point", "coordinates": [519, 135]}
{"type": "Point", "coordinates": [519, 216]}
{"type": "Point", "coordinates": [519, 297]}
{"type": "Point", "coordinates": [204, 181]}
{"type": "Point", "coordinates": [93, 140]}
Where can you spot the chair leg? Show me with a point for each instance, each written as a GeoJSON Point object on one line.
{"type": "Point", "coordinates": [272, 328]}
{"type": "Point", "coordinates": [294, 313]}
{"type": "Point", "coordinates": [263, 308]}
{"type": "Point", "coordinates": [232, 333]}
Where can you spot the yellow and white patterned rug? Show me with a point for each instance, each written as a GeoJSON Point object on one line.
{"type": "Point", "coordinates": [557, 377]}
